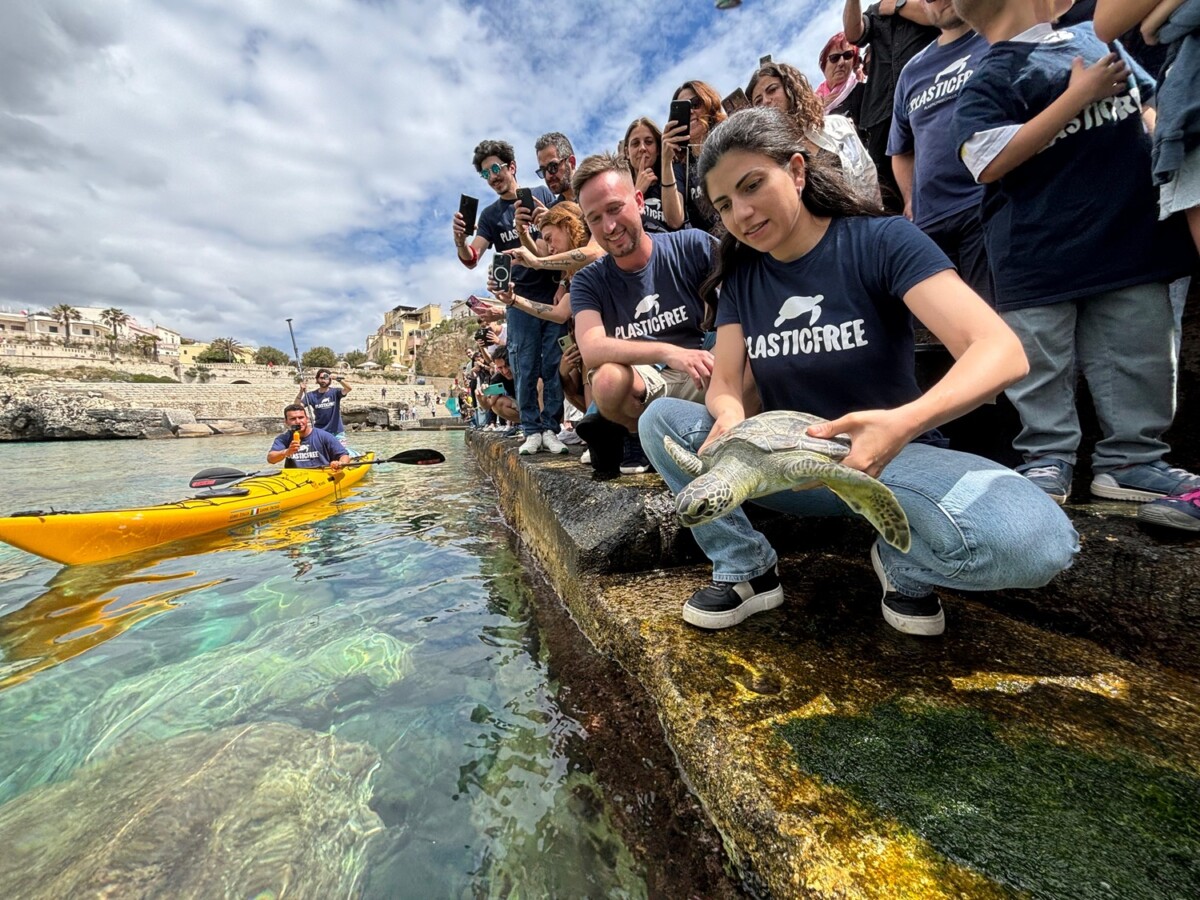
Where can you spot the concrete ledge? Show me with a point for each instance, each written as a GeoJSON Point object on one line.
{"type": "Point", "coordinates": [732, 703]}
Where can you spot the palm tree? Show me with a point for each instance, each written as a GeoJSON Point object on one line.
{"type": "Point", "coordinates": [148, 344]}
{"type": "Point", "coordinates": [66, 314]}
{"type": "Point", "coordinates": [227, 345]}
{"type": "Point", "coordinates": [114, 318]}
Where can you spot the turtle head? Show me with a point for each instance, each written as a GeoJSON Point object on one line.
{"type": "Point", "coordinates": [705, 499]}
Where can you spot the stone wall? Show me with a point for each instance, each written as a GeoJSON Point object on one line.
{"type": "Point", "coordinates": [58, 358]}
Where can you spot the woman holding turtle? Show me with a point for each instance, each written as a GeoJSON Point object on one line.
{"type": "Point", "coordinates": [817, 295]}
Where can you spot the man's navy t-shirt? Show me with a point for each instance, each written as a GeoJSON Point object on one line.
{"type": "Point", "coordinates": [922, 124]}
{"type": "Point", "coordinates": [829, 333]}
{"type": "Point", "coordinates": [497, 225]}
{"type": "Point", "coordinates": [1079, 218]}
{"type": "Point", "coordinates": [659, 302]}
{"type": "Point", "coordinates": [327, 409]}
{"type": "Point", "coordinates": [319, 449]}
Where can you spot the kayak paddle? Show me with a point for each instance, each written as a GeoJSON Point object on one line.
{"type": "Point", "coordinates": [407, 457]}
{"type": "Point", "coordinates": [221, 475]}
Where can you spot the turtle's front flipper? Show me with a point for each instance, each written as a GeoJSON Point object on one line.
{"type": "Point", "coordinates": [871, 499]}
{"type": "Point", "coordinates": [685, 459]}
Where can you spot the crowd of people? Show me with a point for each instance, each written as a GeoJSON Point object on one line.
{"type": "Point", "coordinates": [1003, 172]}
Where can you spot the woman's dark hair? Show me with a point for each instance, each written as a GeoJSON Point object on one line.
{"type": "Point", "coordinates": [768, 132]}
{"type": "Point", "coordinates": [655, 132]}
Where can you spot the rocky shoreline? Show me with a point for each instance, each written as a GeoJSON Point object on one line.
{"type": "Point", "coordinates": [78, 411]}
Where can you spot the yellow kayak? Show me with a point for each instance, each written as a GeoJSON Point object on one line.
{"type": "Point", "coordinates": [76, 538]}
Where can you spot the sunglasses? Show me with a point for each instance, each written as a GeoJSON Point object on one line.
{"type": "Point", "coordinates": [551, 168]}
{"type": "Point", "coordinates": [494, 169]}
{"type": "Point", "coordinates": [838, 57]}
{"type": "Point", "coordinates": [696, 102]}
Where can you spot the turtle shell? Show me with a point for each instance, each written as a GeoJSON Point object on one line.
{"type": "Point", "coordinates": [779, 431]}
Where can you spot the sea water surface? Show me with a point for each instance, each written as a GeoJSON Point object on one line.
{"type": "Point", "coordinates": [351, 699]}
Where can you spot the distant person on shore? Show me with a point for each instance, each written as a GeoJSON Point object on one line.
{"type": "Point", "coordinates": [305, 447]}
{"type": "Point", "coordinates": [326, 403]}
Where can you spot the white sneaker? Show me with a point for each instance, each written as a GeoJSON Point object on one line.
{"type": "Point", "coordinates": [551, 443]}
{"type": "Point", "coordinates": [533, 443]}
{"type": "Point", "coordinates": [586, 459]}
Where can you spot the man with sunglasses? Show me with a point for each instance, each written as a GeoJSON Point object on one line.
{"type": "Point", "coordinates": [896, 31]}
{"type": "Point", "coordinates": [532, 342]}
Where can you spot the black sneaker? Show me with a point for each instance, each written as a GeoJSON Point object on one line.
{"type": "Point", "coordinates": [605, 441]}
{"type": "Point", "coordinates": [723, 604]}
{"type": "Point", "coordinates": [634, 462]}
{"type": "Point", "coordinates": [911, 615]}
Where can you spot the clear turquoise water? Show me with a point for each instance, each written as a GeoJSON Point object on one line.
{"type": "Point", "coordinates": [399, 619]}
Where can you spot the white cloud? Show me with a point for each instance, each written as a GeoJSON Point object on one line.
{"type": "Point", "coordinates": [219, 167]}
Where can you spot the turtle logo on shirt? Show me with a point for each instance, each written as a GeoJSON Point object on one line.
{"type": "Point", "coordinates": [648, 304]}
{"type": "Point", "coordinates": [955, 68]}
{"type": "Point", "coordinates": [798, 306]}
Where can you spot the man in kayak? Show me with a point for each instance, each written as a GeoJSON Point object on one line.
{"type": "Point", "coordinates": [326, 403]}
{"type": "Point", "coordinates": [305, 447]}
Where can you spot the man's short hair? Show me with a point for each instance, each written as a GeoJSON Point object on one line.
{"type": "Point", "coordinates": [500, 354]}
{"type": "Point", "coordinates": [556, 139]}
{"type": "Point", "coordinates": [501, 149]}
{"type": "Point", "coordinates": [598, 164]}
{"type": "Point", "coordinates": [294, 407]}
{"type": "Point", "coordinates": [979, 13]}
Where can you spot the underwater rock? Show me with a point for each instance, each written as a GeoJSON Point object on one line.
{"type": "Point", "coordinates": [254, 810]}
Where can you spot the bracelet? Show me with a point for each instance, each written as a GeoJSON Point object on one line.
{"type": "Point", "coordinates": [664, 184]}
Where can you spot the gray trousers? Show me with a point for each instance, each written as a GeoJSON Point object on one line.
{"type": "Point", "coordinates": [1124, 343]}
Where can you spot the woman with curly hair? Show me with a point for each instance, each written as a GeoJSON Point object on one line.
{"type": "Point", "coordinates": [706, 113]}
{"type": "Point", "coordinates": [642, 146]}
{"type": "Point", "coordinates": [835, 137]}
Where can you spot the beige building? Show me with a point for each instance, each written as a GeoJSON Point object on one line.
{"type": "Point", "coordinates": [402, 331]}
{"type": "Point", "coordinates": [189, 352]}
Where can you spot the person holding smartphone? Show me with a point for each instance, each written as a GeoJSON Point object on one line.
{"type": "Point", "coordinates": [642, 146]}
{"type": "Point", "coordinates": [681, 147]}
{"type": "Point", "coordinates": [532, 342]}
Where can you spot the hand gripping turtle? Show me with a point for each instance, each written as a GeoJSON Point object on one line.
{"type": "Point", "coordinates": [773, 452]}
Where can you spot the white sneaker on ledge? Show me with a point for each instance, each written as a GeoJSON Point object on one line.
{"type": "Point", "coordinates": [551, 443]}
{"type": "Point", "coordinates": [533, 443]}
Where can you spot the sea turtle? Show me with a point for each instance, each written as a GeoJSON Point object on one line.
{"type": "Point", "coordinates": [773, 452]}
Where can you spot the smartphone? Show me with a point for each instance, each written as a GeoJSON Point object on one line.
{"type": "Point", "coordinates": [502, 271]}
{"type": "Point", "coordinates": [735, 101]}
{"type": "Point", "coordinates": [477, 303]}
{"type": "Point", "coordinates": [763, 60]}
{"type": "Point", "coordinates": [525, 198]}
{"type": "Point", "coordinates": [469, 207]}
{"type": "Point", "coordinates": [494, 390]}
{"type": "Point", "coordinates": [566, 342]}
{"type": "Point", "coordinates": [681, 114]}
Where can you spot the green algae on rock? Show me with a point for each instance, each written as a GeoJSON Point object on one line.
{"type": "Point", "coordinates": [1044, 819]}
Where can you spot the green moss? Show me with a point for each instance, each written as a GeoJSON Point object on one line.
{"type": "Point", "coordinates": [1053, 821]}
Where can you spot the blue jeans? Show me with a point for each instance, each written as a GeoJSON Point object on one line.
{"type": "Point", "coordinates": [976, 525]}
{"type": "Point", "coordinates": [1124, 343]}
{"type": "Point", "coordinates": [533, 353]}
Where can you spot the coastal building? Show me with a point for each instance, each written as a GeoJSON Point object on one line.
{"type": "Point", "coordinates": [189, 350]}
{"type": "Point", "coordinates": [403, 330]}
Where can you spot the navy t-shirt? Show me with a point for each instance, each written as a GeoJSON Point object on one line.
{"type": "Point", "coordinates": [697, 211]}
{"type": "Point", "coordinates": [319, 449]}
{"type": "Point", "coordinates": [922, 123]}
{"type": "Point", "coordinates": [829, 333]}
{"type": "Point", "coordinates": [327, 409]}
{"type": "Point", "coordinates": [1080, 217]}
{"type": "Point", "coordinates": [497, 225]}
{"type": "Point", "coordinates": [659, 302]}
{"type": "Point", "coordinates": [653, 218]}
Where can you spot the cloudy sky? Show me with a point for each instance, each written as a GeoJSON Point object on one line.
{"type": "Point", "coordinates": [217, 167]}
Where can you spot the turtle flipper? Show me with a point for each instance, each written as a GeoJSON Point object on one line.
{"type": "Point", "coordinates": [685, 459]}
{"type": "Point", "coordinates": [868, 497]}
